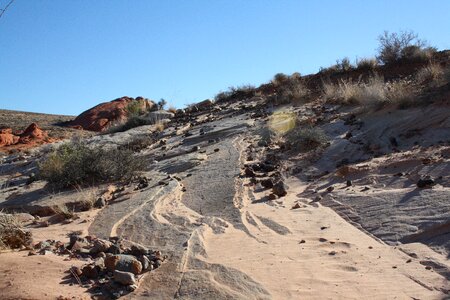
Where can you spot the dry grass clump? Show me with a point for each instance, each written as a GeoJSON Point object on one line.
{"type": "Point", "coordinates": [172, 109]}
{"type": "Point", "coordinates": [12, 234]}
{"type": "Point", "coordinates": [139, 143]}
{"type": "Point", "coordinates": [75, 163]}
{"type": "Point", "coordinates": [306, 138]}
{"type": "Point", "coordinates": [374, 93]}
{"type": "Point", "coordinates": [87, 198]}
{"type": "Point", "coordinates": [64, 211]}
{"type": "Point", "coordinates": [430, 74]}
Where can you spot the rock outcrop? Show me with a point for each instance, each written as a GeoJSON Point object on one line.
{"type": "Point", "coordinates": [104, 115]}
{"type": "Point", "coordinates": [7, 137]}
{"type": "Point", "coordinates": [32, 135]}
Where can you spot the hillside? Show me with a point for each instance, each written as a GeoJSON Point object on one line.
{"type": "Point", "coordinates": [326, 186]}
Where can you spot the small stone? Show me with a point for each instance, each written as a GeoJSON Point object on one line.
{"type": "Point", "coordinates": [75, 270]}
{"type": "Point", "coordinates": [114, 249]}
{"type": "Point", "coordinates": [195, 148]}
{"type": "Point", "coordinates": [428, 267]}
{"type": "Point", "coordinates": [249, 172]}
{"type": "Point", "coordinates": [145, 262]}
{"type": "Point", "coordinates": [216, 150]}
{"type": "Point", "coordinates": [272, 197]}
{"type": "Point", "coordinates": [426, 182]}
{"type": "Point", "coordinates": [157, 263]}
{"type": "Point", "coordinates": [267, 183]}
{"type": "Point", "coordinates": [90, 271]}
{"type": "Point", "coordinates": [332, 253]}
{"type": "Point", "coordinates": [100, 202]}
{"type": "Point", "coordinates": [279, 189]}
{"type": "Point", "coordinates": [296, 206]}
{"type": "Point", "coordinates": [302, 242]}
{"type": "Point", "coordinates": [125, 278]}
{"type": "Point", "coordinates": [349, 183]}
{"type": "Point", "coordinates": [317, 198]}
{"type": "Point", "coordinates": [330, 188]}
{"type": "Point", "coordinates": [132, 287]}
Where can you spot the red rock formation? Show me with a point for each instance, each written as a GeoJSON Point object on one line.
{"type": "Point", "coordinates": [31, 136]}
{"type": "Point", "coordinates": [102, 116]}
{"type": "Point", "coordinates": [7, 138]}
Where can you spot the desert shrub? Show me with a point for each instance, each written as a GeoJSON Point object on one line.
{"type": "Point", "coordinates": [12, 234]}
{"type": "Point", "coordinates": [291, 91]}
{"type": "Point", "coordinates": [367, 63]}
{"type": "Point", "coordinates": [138, 144]}
{"type": "Point", "coordinates": [306, 138]}
{"type": "Point", "coordinates": [342, 65]}
{"type": "Point", "coordinates": [136, 108]}
{"type": "Point", "coordinates": [161, 103]}
{"type": "Point", "coordinates": [75, 163]}
{"type": "Point", "coordinates": [279, 79]}
{"type": "Point", "coordinates": [236, 93]}
{"type": "Point", "coordinates": [403, 46]}
{"type": "Point", "coordinates": [432, 73]}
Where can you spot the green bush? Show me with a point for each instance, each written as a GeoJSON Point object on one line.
{"type": "Point", "coordinates": [76, 164]}
{"type": "Point", "coordinates": [136, 108]}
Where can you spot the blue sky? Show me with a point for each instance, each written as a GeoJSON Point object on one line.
{"type": "Point", "coordinates": [61, 56]}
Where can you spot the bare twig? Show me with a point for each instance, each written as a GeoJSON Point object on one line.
{"type": "Point", "coordinates": [2, 11]}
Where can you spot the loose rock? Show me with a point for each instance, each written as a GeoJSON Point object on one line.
{"type": "Point", "coordinates": [125, 278]}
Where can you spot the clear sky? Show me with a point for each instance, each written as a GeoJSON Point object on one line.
{"type": "Point", "coordinates": [63, 57]}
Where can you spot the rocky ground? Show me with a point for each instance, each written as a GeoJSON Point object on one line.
{"type": "Point", "coordinates": [226, 211]}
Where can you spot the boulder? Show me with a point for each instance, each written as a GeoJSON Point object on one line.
{"type": "Point", "coordinates": [100, 246]}
{"type": "Point", "coordinates": [159, 115]}
{"type": "Point", "coordinates": [102, 116]}
{"type": "Point", "coordinates": [125, 263]}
